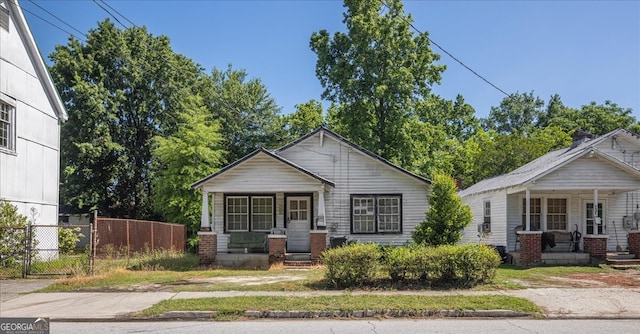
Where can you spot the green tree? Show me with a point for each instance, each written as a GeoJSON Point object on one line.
{"type": "Point", "coordinates": [307, 117]}
{"type": "Point", "coordinates": [516, 114]}
{"type": "Point", "coordinates": [599, 119]}
{"type": "Point", "coordinates": [447, 215]}
{"type": "Point", "coordinates": [248, 115]}
{"type": "Point", "coordinates": [456, 118]}
{"type": "Point", "coordinates": [189, 154]}
{"type": "Point", "coordinates": [120, 88]}
{"type": "Point", "coordinates": [375, 73]}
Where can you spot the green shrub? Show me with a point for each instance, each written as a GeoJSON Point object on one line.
{"type": "Point", "coordinates": [68, 238]}
{"type": "Point", "coordinates": [13, 236]}
{"type": "Point", "coordinates": [446, 265]}
{"type": "Point", "coordinates": [467, 265]}
{"type": "Point", "coordinates": [352, 265]}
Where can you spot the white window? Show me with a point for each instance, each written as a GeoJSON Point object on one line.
{"type": "Point", "coordinates": [249, 213]}
{"type": "Point", "coordinates": [363, 215]}
{"type": "Point", "coordinates": [7, 127]}
{"type": "Point", "coordinates": [261, 213]}
{"type": "Point", "coordinates": [376, 214]}
{"type": "Point", "coordinates": [389, 214]}
{"type": "Point", "coordinates": [535, 205]}
{"type": "Point", "coordinates": [557, 214]}
{"type": "Point", "coordinates": [237, 213]}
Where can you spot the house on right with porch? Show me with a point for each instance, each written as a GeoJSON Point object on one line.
{"type": "Point", "coordinates": [585, 199]}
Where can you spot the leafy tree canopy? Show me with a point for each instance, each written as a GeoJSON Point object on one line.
{"type": "Point", "coordinates": [121, 89]}
{"type": "Point", "coordinates": [375, 72]}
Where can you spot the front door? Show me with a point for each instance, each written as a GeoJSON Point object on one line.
{"type": "Point", "coordinates": [593, 222]}
{"type": "Point", "coordinates": [298, 224]}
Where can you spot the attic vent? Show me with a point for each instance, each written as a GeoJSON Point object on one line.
{"type": "Point", "coordinates": [4, 18]}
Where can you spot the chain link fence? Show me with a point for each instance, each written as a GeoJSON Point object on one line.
{"type": "Point", "coordinates": [46, 250]}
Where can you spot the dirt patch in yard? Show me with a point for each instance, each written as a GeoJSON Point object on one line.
{"type": "Point", "coordinates": [624, 278]}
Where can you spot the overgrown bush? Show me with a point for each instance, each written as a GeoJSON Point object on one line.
{"type": "Point", "coordinates": [68, 238]}
{"type": "Point", "coordinates": [13, 236]}
{"type": "Point", "coordinates": [352, 265]}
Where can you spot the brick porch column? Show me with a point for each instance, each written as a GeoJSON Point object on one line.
{"type": "Point", "coordinates": [318, 244]}
{"type": "Point", "coordinates": [634, 243]}
{"type": "Point", "coordinates": [530, 247]}
{"type": "Point", "coordinates": [277, 247]}
{"type": "Point", "coordinates": [596, 246]}
{"type": "Point", "coordinates": [207, 247]}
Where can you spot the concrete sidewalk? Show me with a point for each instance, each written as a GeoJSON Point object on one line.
{"type": "Point", "coordinates": [568, 303]}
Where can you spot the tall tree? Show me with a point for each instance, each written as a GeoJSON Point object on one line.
{"type": "Point", "coordinates": [249, 116]}
{"type": "Point", "coordinates": [457, 118]}
{"type": "Point", "coordinates": [190, 153]}
{"type": "Point", "coordinates": [517, 114]}
{"type": "Point", "coordinates": [120, 89]}
{"type": "Point", "coordinates": [376, 72]}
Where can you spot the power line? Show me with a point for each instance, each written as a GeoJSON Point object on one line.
{"type": "Point", "coordinates": [108, 12]}
{"type": "Point", "coordinates": [117, 12]}
{"type": "Point", "coordinates": [51, 23]}
{"type": "Point", "coordinates": [449, 53]}
{"type": "Point", "coordinates": [59, 19]}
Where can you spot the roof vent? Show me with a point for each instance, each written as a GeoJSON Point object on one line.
{"type": "Point", "coordinates": [580, 136]}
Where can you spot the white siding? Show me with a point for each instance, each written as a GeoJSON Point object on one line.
{"type": "Point", "coordinates": [587, 173]}
{"type": "Point", "coordinates": [498, 235]}
{"type": "Point", "coordinates": [355, 172]}
{"type": "Point", "coordinates": [29, 176]}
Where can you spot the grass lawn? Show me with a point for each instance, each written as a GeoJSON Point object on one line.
{"type": "Point", "coordinates": [235, 306]}
{"type": "Point", "coordinates": [180, 272]}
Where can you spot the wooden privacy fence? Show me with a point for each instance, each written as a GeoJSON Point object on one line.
{"type": "Point", "coordinates": [133, 235]}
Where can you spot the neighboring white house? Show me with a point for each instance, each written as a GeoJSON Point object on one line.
{"type": "Point", "coordinates": [31, 113]}
{"type": "Point", "coordinates": [557, 192]}
{"type": "Point", "coordinates": [320, 181]}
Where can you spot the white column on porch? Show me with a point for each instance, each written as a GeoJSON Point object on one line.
{"type": "Point", "coordinates": [321, 222]}
{"type": "Point", "coordinates": [205, 225]}
{"type": "Point", "coordinates": [527, 219]}
{"type": "Point", "coordinates": [213, 217]}
{"type": "Point", "coordinates": [595, 211]}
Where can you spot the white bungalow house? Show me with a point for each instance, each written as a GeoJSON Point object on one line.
{"type": "Point", "coordinates": [31, 113]}
{"type": "Point", "coordinates": [320, 182]}
{"type": "Point", "coordinates": [557, 193]}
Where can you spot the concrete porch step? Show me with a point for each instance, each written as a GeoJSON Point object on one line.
{"type": "Point", "coordinates": [298, 264]}
{"type": "Point", "coordinates": [622, 260]}
{"type": "Point", "coordinates": [620, 256]}
{"type": "Point", "coordinates": [296, 257]}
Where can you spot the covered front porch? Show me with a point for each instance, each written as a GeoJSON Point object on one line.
{"type": "Point", "coordinates": [570, 226]}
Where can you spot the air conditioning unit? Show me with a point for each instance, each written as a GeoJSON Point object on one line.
{"type": "Point", "coordinates": [484, 228]}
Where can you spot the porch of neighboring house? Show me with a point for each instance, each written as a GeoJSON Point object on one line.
{"type": "Point", "coordinates": [566, 227]}
{"type": "Point", "coordinates": [255, 230]}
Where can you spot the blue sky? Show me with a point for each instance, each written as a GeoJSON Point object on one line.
{"type": "Point", "coordinates": [582, 50]}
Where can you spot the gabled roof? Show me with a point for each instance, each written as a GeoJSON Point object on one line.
{"type": "Point", "coordinates": [36, 59]}
{"type": "Point", "coordinates": [546, 164]}
{"type": "Point", "coordinates": [355, 146]}
{"type": "Point", "coordinates": [270, 154]}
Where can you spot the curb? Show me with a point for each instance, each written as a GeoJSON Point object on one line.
{"type": "Point", "coordinates": [208, 315]}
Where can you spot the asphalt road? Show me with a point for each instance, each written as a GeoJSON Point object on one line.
{"type": "Point", "coordinates": [404, 326]}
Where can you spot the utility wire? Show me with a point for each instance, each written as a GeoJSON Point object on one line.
{"type": "Point", "coordinates": [108, 12]}
{"type": "Point", "coordinates": [59, 19]}
{"type": "Point", "coordinates": [53, 24]}
{"type": "Point", "coordinates": [448, 53]}
{"type": "Point", "coordinates": [117, 12]}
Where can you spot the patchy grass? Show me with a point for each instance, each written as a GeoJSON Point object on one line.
{"type": "Point", "coordinates": [235, 306]}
